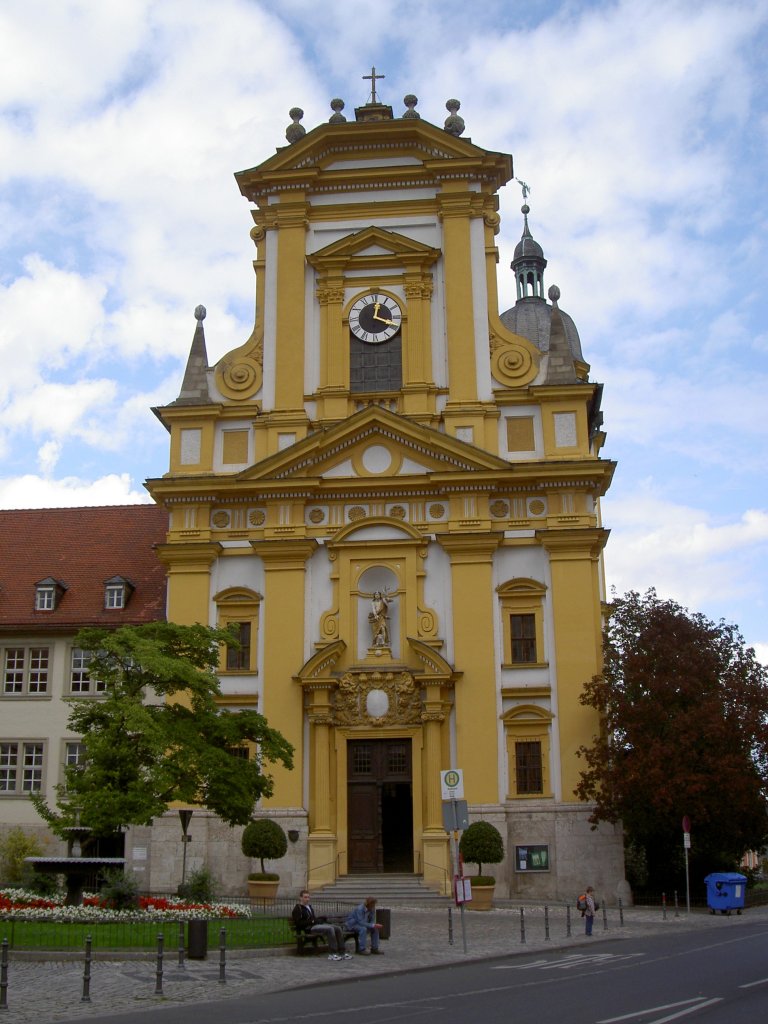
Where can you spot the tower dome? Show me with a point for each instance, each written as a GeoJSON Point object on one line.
{"type": "Point", "coordinates": [528, 263]}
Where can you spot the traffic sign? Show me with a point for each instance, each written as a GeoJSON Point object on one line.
{"type": "Point", "coordinates": [452, 784]}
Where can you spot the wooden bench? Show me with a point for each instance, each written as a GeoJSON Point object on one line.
{"type": "Point", "coordinates": [305, 940]}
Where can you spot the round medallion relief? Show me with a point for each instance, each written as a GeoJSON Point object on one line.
{"type": "Point", "coordinates": [377, 703]}
{"type": "Point", "coordinates": [377, 458]}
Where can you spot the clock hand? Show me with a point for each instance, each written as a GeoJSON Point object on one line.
{"type": "Point", "coordinates": [381, 320]}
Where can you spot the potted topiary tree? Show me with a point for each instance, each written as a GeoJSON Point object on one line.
{"type": "Point", "coordinates": [482, 844]}
{"type": "Point", "coordinates": [265, 839]}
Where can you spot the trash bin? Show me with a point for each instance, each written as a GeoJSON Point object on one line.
{"type": "Point", "coordinates": [197, 940]}
{"type": "Point", "coordinates": [725, 891]}
{"type": "Point", "coordinates": [384, 918]}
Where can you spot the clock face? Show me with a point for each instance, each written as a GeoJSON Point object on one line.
{"type": "Point", "coordinates": [375, 318]}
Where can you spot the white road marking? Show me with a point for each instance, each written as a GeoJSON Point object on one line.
{"type": "Point", "coordinates": [699, 1002]}
{"type": "Point", "coordinates": [751, 984]}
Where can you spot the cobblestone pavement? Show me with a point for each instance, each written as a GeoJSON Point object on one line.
{"type": "Point", "coordinates": [49, 990]}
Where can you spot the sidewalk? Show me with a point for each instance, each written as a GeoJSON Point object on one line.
{"type": "Point", "coordinates": [46, 991]}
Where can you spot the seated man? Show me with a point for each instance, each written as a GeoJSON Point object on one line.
{"type": "Point", "coordinates": [362, 920]}
{"type": "Point", "coordinates": [304, 918]}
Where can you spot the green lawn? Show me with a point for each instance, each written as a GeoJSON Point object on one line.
{"type": "Point", "coordinates": [140, 935]}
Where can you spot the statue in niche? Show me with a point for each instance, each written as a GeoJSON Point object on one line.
{"type": "Point", "coordinates": [379, 619]}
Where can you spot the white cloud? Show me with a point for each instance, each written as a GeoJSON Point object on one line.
{"type": "Point", "coordinates": [32, 491]}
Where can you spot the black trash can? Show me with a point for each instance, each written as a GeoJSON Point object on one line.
{"type": "Point", "coordinates": [384, 918]}
{"type": "Point", "coordinates": [197, 940]}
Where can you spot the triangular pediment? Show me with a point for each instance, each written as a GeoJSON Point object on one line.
{"type": "Point", "coordinates": [374, 444]}
{"type": "Point", "coordinates": [375, 242]}
{"type": "Point", "coordinates": [336, 151]}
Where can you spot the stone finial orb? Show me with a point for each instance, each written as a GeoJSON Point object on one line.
{"type": "Point", "coordinates": [525, 209]}
{"type": "Point", "coordinates": [200, 312]}
{"type": "Point", "coordinates": [410, 101]}
{"type": "Point", "coordinates": [454, 124]}
{"type": "Point", "coordinates": [337, 106]}
{"type": "Point", "coordinates": [553, 294]}
{"type": "Point", "coordinates": [295, 131]}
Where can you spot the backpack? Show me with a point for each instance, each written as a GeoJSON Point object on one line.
{"type": "Point", "coordinates": [581, 902]}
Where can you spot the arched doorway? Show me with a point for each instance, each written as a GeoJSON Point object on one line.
{"type": "Point", "coordinates": [380, 806]}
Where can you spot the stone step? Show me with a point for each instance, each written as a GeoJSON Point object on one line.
{"type": "Point", "coordinates": [386, 887]}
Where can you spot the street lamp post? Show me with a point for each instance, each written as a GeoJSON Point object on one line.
{"type": "Point", "coordinates": [186, 816]}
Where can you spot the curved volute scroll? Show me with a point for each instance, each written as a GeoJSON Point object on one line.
{"type": "Point", "coordinates": [240, 373]}
{"type": "Point", "coordinates": [514, 360]}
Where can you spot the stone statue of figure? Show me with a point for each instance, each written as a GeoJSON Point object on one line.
{"type": "Point", "coordinates": [379, 619]}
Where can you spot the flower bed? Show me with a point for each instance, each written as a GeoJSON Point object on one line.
{"type": "Point", "coordinates": [20, 904]}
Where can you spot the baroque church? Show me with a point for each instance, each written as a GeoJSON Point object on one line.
{"type": "Point", "coordinates": [393, 490]}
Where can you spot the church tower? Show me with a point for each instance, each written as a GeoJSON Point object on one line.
{"type": "Point", "coordinates": [393, 490]}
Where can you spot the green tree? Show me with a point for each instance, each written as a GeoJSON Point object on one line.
{"type": "Point", "coordinates": [481, 843]}
{"type": "Point", "coordinates": [157, 735]}
{"type": "Point", "coordinates": [684, 707]}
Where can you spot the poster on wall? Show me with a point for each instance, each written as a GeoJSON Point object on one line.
{"type": "Point", "coordinates": [532, 858]}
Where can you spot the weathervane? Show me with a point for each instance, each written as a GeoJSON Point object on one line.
{"type": "Point", "coordinates": [372, 78]}
{"type": "Point", "coordinates": [526, 188]}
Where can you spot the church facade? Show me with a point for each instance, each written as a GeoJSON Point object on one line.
{"type": "Point", "coordinates": [392, 489]}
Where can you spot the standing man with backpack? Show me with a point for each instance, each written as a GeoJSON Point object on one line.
{"type": "Point", "coordinates": [590, 907]}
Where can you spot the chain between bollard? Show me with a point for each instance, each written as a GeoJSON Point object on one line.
{"type": "Point", "coordinates": [86, 996]}
{"type": "Point", "coordinates": [522, 924]}
{"type": "Point", "coordinates": [4, 976]}
{"type": "Point", "coordinates": [159, 969]}
{"type": "Point", "coordinates": [223, 956]}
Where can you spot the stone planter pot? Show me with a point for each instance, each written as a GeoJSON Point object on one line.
{"type": "Point", "coordinates": [482, 897]}
{"type": "Point", "coordinates": [263, 891]}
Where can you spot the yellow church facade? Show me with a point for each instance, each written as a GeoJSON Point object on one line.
{"type": "Point", "coordinates": [393, 490]}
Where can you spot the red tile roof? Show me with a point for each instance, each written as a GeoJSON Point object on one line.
{"type": "Point", "coordinates": [81, 548]}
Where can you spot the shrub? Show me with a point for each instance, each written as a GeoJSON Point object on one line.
{"type": "Point", "coordinates": [198, 888]}
{"type": "Point", "coordinates": [265, 839]}
{"type": "Point", "coordinates": [120, 889]}
{"type": "Point", "coordinates": [482, 844]}
{"type": "Point", "coordinates": [15, 845]}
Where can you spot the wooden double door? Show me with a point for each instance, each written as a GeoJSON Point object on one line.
{"type": "Point", "coordinates": [380, 803]}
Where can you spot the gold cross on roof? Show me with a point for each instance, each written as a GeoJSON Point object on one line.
{"type": "Point", "coordinates": [372, 78]}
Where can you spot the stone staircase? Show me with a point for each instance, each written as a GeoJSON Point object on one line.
{"type": "Point", "coordinates": [388, 888]}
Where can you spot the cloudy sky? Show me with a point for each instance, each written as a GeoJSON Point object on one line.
{"type": "Point", "coordinates": [640, 125]}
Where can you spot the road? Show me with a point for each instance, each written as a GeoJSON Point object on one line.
{"type": "Point", "coordinates": [697, 977]}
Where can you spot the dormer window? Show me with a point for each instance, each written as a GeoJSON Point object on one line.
{"type": "Point", "coordinates": [117, 592]}
{"type": "Point", "coordinates": [48, 593]}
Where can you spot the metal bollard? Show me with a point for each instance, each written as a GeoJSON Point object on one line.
{"type": "Point", "coordinates": [159, 968]}
{"type": "Point", "coordinates": [223, 956]}
{"type": "Point", "coordinates": [86, 996]}
{"type": "Point", "coordinates": [450, 926]}
{"type": "Point", "coordinates": [546, 924]}
{"type": "Point", "coordinates": [664, 906]}
{"type": "Point", "coordinates": [4, 976]}
{"type": "Point", "coordinates": [605, 918]}
{"type": "Point", "coordinates": [677, 908]}
{"type": "Point", "coordinates": [181, 943]}
{"type": "Point", "coordinates": [621, 913]}
{"type": "Point", "coordinates": [568, 922]}
{"type": "Point", "coordinates": [522, 924]}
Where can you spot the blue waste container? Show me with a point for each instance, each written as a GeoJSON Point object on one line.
{"type": "Point", "coordinates": [725, 891]}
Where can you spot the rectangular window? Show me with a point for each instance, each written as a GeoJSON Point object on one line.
{"type": "Point", "coordinates": [45, 599]}
{"type": "Point", "coordinates": [25, 671]}
{"type": "Point", "coordinates": [21, 767]}
{"type": "Point", "coordinates": [528, 768]}
{"type": "Point", "coordinates": [38, 670]}
{"type": "Point", "coordinates": [239, 657]}
{"type": "Point", "coordinates": [9, 765]}
{"type": "Point", "coordinates": [74, 753]}
{"type": "Point", "coordinates": [523, 633]}
{"type": "Point", "coordinates": [80, 678]}
{"type": "Point", "coordinates": [13, 679]}
{"type": "Point", "coordinates": [32, 779]}
{"type": "Point", "coordinates": [114, 595]}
